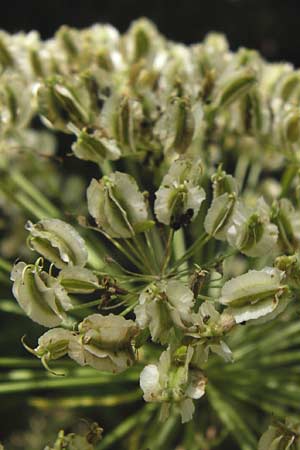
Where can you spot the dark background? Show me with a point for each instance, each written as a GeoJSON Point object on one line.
{"type": "Point", "coordinates": [271, 26]}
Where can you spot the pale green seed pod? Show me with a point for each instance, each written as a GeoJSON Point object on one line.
{"type": "Point", "coordinates": [78, 280]}
{"type": "Point", "coordinates": [105, 343]}
{"type": "Point", "coordinates": [216, 43]}
{"type": "Point", "coordinates": [162, 307]}
{"type": "Point", "coordinates": [66, 37]}
{"type": "Point", "coordinates": [141, 39]}
{"type": "Point", "coordinates": [112, 331]}
{"type": "Point", "coordinates": [53, 345]}
{"type": "Point", "coordinates": [36, 63]}
{"type": "Point", "coordinates": [233, 87]}
{"type": "Point", "coordinates": [220, 214]}
{"type": "Point", "coordinates": [6, 58]}
{"type": "Point", "coordinates": [39, 295]}
{"type": "Point", "coordinates": [254, 294]}
{"type": "Point", "coordinates": [59, 103]}
{"type": "Point", "coordinates": [180, 125]}
{"type": "Point", "coordinates": [255, 114]}
{"type": "Point", "coordinates": [119, 116]}
{"type": "Point", "coordinates": [291, 266]}
{"type": "Point", "coordinates": [223, 183]}
{"type": "Point", "coordinates": [104, 60]}
{"type": "Point", "coordinates": [16, 103]}
{"type": "Point", "coordinates": [211, 57]}
{"type": "Point", "coordinates": [251, 231]}
{"type": "Point", "coordinates": [96, 148]}
{"type": "Point", "coordinates": [277, 438]}
{"type": "Point", "coordinates": [287, 220]}
{"type": "Point", "coordinates": [287, 87]}
{"type": "Point", "coordinates": [176, 127]}
{"type": "Point", "coordinates": [208, 322]}
{"type": "Point", "coordinates": [118, 206]}
{"type": "Point", "coordinates": [58, 242]}
{"type": "Point", "coordinates": [180, 195]}
{"type": "Point", "coordinates": [290, 126]}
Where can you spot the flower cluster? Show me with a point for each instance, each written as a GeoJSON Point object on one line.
{"type": "Point", "coordinates": [191, 143]}
{"type": "Point", "coordinates": [140, 94]}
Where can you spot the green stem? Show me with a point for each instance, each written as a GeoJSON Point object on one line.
{"type": "Point", "coordinates": [143, 253]}
{"type": "Point", "coordinates": [119, 247]}
{"type": "Point", "coordinates": [22, 199]}
{"type": "Point", "coordinates": [156, 241]}
{"type": "Point", "coordinates": [138, 255]}
{"type": "Point", "coordinates": [151, 250]}
{"type": "Point", "coordinates": [86, 305]}
{"type": "Point", "coordinates": [130, 308]}
{"type": "Point", "coordinates": [179, 247]}
{"type": "Point", "coordinates": [26, 203]}
{"type": "Point", "coordinates": [34, 193]}
{"type": "Point", "coordinates": [106, 167]}
{"type": "Point", "coordinates": [168, 252]}
{"type": "Point", "coordinates": [220, 258]}
{"type": "Point", "coordinates": [206, 298]}
{"type": "Point", "coordinates": [200, 242]}
{"type": "Point", "coordinates": [94, 260]}
{"type": "Point", "coordinates": [127, 275]}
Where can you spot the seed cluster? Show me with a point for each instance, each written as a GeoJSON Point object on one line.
{"type": "Point", "coordinates": [195, 217]}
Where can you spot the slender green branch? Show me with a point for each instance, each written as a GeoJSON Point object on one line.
{"type": "Point", "coordinates": [118, 246]}
{"type": "Point", "coordinates": [150, 246]}
{"type": "Point", "coordinates": [143, 250]}
{"type": "Point", "coordinates": [34, 193]}
{"type": "Point", "coordinates": [206, 297]}
{"type": "Point", "coordinates": [129, 309]}
{"type": "Point", "coordinates": [179, 249]}
{"type": "Point", "coordinates": [200, 242]}
{"type": "Point", "coordinates": [168, 252]}
{"type": "Point", "coordinates": [86, 305]}
{"type": "Point", "coordinates": [138, 254]}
